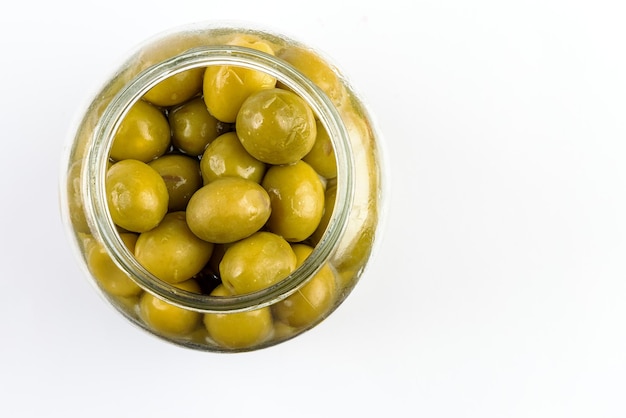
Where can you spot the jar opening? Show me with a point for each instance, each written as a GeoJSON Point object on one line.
{"type": "Point", "coordinates": [94, 173]}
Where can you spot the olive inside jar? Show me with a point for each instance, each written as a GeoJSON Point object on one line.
{"type": "Point", "coordinates": [224, 188]}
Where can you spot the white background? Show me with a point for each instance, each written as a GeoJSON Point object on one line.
{"type": "Point", "coordinates": [499, 289]}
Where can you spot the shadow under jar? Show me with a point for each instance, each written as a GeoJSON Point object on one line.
{"type": "Point", "coordinates": [223, 189]}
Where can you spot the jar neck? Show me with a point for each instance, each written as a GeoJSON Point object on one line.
{"type": "Point", "coordinates": [94, 173]}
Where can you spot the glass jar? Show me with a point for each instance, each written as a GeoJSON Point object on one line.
{"type": "Point", "coordinates": [337, 252]}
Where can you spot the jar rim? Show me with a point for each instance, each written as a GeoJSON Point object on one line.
{"type": "Point", "coordinates": [96, 159]}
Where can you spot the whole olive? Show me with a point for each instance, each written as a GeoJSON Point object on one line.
{"type": "Point", "coordinates": [228, 209]}
{"type": "Point", "coordinates": [171, 251]}
{"type": "Point", "coordinates": [276, 126]}
{"type": "Point", "coordinates": [256, 262]}
{"type": "Point", "coordinates": [136, 195]}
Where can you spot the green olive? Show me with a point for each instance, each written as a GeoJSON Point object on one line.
{"type": "Point", "coordinates": [313, 300]}
{"type": "Point", "coordinates": [355, 249]}
{"type": "Point", "coordinates": [228, 209]}
{"type": "Point", "coordinates": [283, 331]}
{"type": "Point", "coordinates": [276, 126]}
{"type": "Point", "coordinates": [251, 41]}
{"type": "Point", "coordinates": [169, 319]}
{"type": "Point", "coordinates": [171, 251]}
{"type": "Point", "coordinates": [110, 277]}
{"type": "Point", "coordinates": [226, 157]}
{"type": "Point", "coordinates": [193, 127]}
{"type": "Point", "coordinates": [317, 70]}
{"type": "Point", "coordinates": [143, 135]}
{"type": "Point", "coordinates": [297, 197]}
{"type": "Point", "coordinates": [256, 263]}
{"type": "Point", "coordinates": [136, 195]}
{"type": "Point", "coordinates": [176, 89]}
{"type": "Point", "coordinates": [322, 155]}
{"type": "Point", "coordinates": [238, 330]}
{"type": "Point", "coordinates": [75, 198]}
{"type": "Point", "coordinates": [182, 178]}
{"type": "Point", "coordinates": [226, 87]}
{"type": "Point", "coordinates": [330, 195]}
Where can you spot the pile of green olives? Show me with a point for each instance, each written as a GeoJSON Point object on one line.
{"type": "Point", "coordinates": [220, 182]}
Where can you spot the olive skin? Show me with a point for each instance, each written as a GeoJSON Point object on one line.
{"type": "Point", "coordinates": [193, 127]}
{"type": "Point", "coordinates": [226, 87]}
{"type": "Point", "coordinates": [228, 209]}
{"type": "Point", "coordinates": [169, 319]}
{"type": "Point", "coordinates": [136, 195]}
{"type": "Point", "coordinates": [171, 251]}
{"type": "Point", "coordinates": [109, 276]}
{"type": "Point", "coordinates": [256, 263]}
{"type": "Point", "coordinates": [322, 155]}
{"type": "Point", "coordinates": [330, 196]}
{"type": "Point", "coordinates": [176, 89]}
{"type": "Point", "coordinates": [182, 178]}
{"type": "Point", "coordinates": [318, 71]}
{"type": "Point", "coordinates": [276, 126]}
{"type": "Point", "coordinates": [238, 330]}
{"type": "Point", "coordinates": [75, 198]}
{"type": "Point", "coordinates": [313, 300]}
{"type": "Point", "coordinates": [297, 197]}
{"type": "Point", "coordinates": [143, 135]}
{"type": "Point", "coordinates": [226, 157]}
